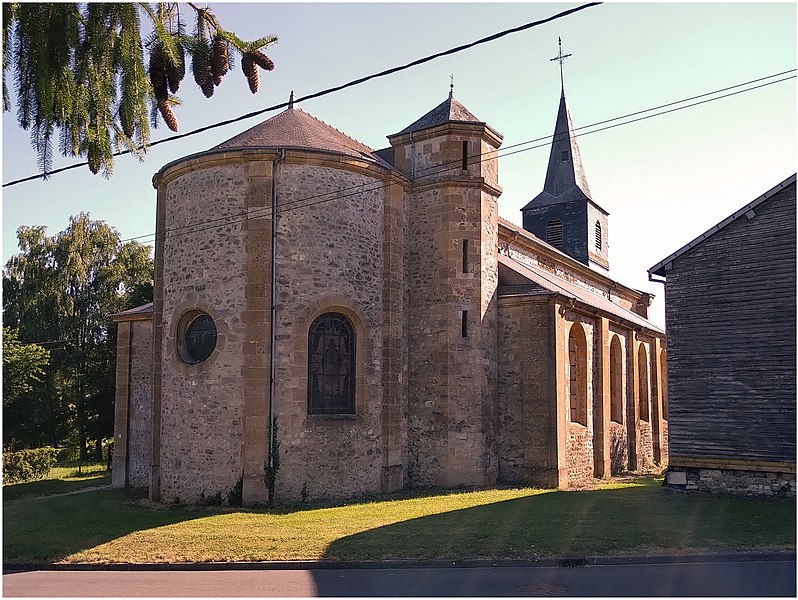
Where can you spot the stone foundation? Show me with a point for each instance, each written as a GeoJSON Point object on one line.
{"type": "Point", "coordinates": [749, 483]}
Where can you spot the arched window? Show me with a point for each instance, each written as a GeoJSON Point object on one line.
{"type": "Point", "coordinates": [642, 373]}
{"type": "Point", "coordinates": [598, 236]}
{"type": "Point", "coordinates": [331, 366]}
{"type": "Point", "coordinates": [577, 367]}
{"type": "Point", "coordinates": [663, 367]}
{"type": "Point", "coordinates": [616, 380]}
{"type": "Point", "coordinates": [554, 233]}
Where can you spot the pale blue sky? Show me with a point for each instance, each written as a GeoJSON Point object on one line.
{"type": "Point", "coordinates": [663, 180]}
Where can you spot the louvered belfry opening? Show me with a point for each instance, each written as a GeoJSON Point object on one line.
{"type": "Point", "coordinates": [598, 236]}
{"type": "Point", "coordinates": [554, 233]}
{"type": "Point", "coordinates": [331, 366]}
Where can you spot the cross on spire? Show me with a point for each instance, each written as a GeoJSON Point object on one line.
{"type": "Point", "coordinates": [560, 58]}
{"type": "Point", "coordinates": [451, 85]}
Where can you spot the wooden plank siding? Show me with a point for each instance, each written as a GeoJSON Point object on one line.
{"type": "Point", "coordinates": [730, 314]}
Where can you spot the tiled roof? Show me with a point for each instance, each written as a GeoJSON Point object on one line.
{"type": "Point", "coordinates": [662, 267]}
{"type": "Point", "coordinates": [294, 128]}
{"type": "Point", "coordinates": [446, 112]}
{"type": "Point", "coordinates": [542, 282]}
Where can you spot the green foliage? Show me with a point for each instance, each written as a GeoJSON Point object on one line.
{"type": "Point", "coordinates": [272, 465]}
{"type": "Point", "coordinates": [212, 500]}
{"type": "Point", "coordinates": [23, 364]}
{"type": "Point", "coordinates": [235, 497]}
{"type": "Point", "coordinates": [27, 465]}
{"type": "Point", "coordinates": [80, 74]}
{"type": "Point", "coordinates": [62, 290]}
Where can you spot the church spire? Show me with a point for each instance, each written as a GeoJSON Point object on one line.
{"type": "Point", "coordinates": [565, 168]}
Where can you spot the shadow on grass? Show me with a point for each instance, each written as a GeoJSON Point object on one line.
{"type": "Point", "coordinates": [632, 520]}
{"type": "Point", "coordinates": [47, 487]}
{"type": "Point", "coordinates": [50, 529]}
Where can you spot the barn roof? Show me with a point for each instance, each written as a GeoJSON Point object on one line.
{"type": "Point", "coordinates": [663, 266]}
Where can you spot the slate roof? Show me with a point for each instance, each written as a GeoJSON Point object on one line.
{"type": "Point", "coordinates": [662, 266]}
{"type": "Point", "coordinates": [448, 111]}
{"type": "Point", "coordinates": [533, 281]}
{"type": "Point", "coordinates": [294, 128]}
{"type": "Point", "coordinates": [140, 312]}
{"type": "Point", "coordinates": [565, 179]}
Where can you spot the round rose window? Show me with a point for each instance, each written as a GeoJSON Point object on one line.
{"type": "Point", "coordinates": [197, 337]}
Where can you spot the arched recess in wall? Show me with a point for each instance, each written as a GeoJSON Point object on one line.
{"type": "Point", "coordinates": [642, 377]}
{"type": "Point", "coordinates": [577, 374]}
{"type": "Point", "coordinates": [616, 380]}
{"type": "Point", "coordinates": [663, 368]}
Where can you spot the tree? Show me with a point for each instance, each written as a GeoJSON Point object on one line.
{"type": "Point", "coordinates": [62, 290]}
{"type": "Point", "coordinates": [80, 69]}
{"type": "Point", "coordinates": [23, 364]}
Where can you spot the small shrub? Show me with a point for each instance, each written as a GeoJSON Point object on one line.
{"type": "Point", "coordinates": [235, 497]}
{"type": "Point", "coordinates": [26, 465]}
{"type": "Point", "coordinates": [213, 500]}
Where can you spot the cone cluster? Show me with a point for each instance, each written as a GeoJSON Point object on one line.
{"type": "Point", "coordinates": [250, 62]}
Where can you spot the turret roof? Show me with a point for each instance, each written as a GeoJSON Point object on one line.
{"type": "Point", "coordinates": [448, 111]}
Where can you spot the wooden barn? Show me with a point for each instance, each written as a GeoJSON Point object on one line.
{"type": "Point", "coordinates": [730, 316]}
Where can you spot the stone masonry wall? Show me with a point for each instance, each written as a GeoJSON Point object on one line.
{"type": "Point", "coordinates": [140, 404]}
{"type": "Point", "coordinates": [619, 452]}
{"type": "Point", "coordinates": [330, 258]}
{"type": "Point", "coordinates": [202, 405]}
{"type": "Point", "coordinates": [579, 444]}
{"type": "Point", "coordinates": [452, 327]}
{"type": "Point", "coordinates": [527, 438]}
{"type": "Point", "coordinates": [751, 483]}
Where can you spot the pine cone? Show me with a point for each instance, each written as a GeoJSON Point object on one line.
{"type": "Point", "coordinates": [251, 72]}
{"type": "Point", "coordinates": [175, 73]}
{"type": "Point", "coordinates": [263, 61]}
{"type": "Point", "coordinates": [219, 59]}
{"type": "Point", "coordinates": [168, 115]}
{"type": "Point", "coordinates": [201, 66]}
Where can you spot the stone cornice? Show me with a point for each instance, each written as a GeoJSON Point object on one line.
{"type": "Point", "coordinates": [321, 158]}
{"type": "Point", "coordinates": [489, 134]}
{"type": "Point", "coordinates": [459, 182]}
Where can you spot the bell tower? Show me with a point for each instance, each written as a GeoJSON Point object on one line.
{"type": "Point", "coordinates": [564, 214]}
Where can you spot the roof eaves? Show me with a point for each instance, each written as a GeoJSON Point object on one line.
{"type": "Point", "coordinates": [664, 265]}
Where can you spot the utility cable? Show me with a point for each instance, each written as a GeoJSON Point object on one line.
{"type": "Point", "coordinates": [437, 170]}
{"type": "Point", "coordinates": [331, 90]}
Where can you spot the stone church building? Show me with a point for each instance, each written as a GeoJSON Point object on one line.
{"type": "Point", "coordinates": [397, 329]}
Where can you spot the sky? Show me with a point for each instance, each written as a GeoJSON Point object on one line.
{"type": "Point", "coordinates": [664, 180]}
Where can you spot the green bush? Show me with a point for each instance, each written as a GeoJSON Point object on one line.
{"type": "Point", "coordinates": [26, 465]}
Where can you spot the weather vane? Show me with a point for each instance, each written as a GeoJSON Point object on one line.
{"type": "Point", "coordinates": [559, 58]}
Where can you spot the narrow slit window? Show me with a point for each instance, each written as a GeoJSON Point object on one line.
{"type": "Point", "coordinates": [465, 155]}
{"type": "Point", "coordinates": [465, 256]}
{"type": "Point", "coordinates": [464, 324]}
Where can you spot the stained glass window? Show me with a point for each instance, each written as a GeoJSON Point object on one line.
{"type": "Point", "coordinates": [331, 366]}
{"type": "Point", "coordinates": [200, 338]}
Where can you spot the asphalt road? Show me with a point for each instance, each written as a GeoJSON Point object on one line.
{"type": "Point", "coordinates": [746, 578]}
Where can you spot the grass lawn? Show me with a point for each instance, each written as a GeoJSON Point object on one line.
{"type": "Point", "coordinates": [61, 479]}
{"type": "Point", "coordinates": [618, 518]}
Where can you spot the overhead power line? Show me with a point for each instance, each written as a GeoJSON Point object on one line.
{"type": "Point", "coordinates": [331, 90]}
{"type": "Point", "coordinates": [456, 164]}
